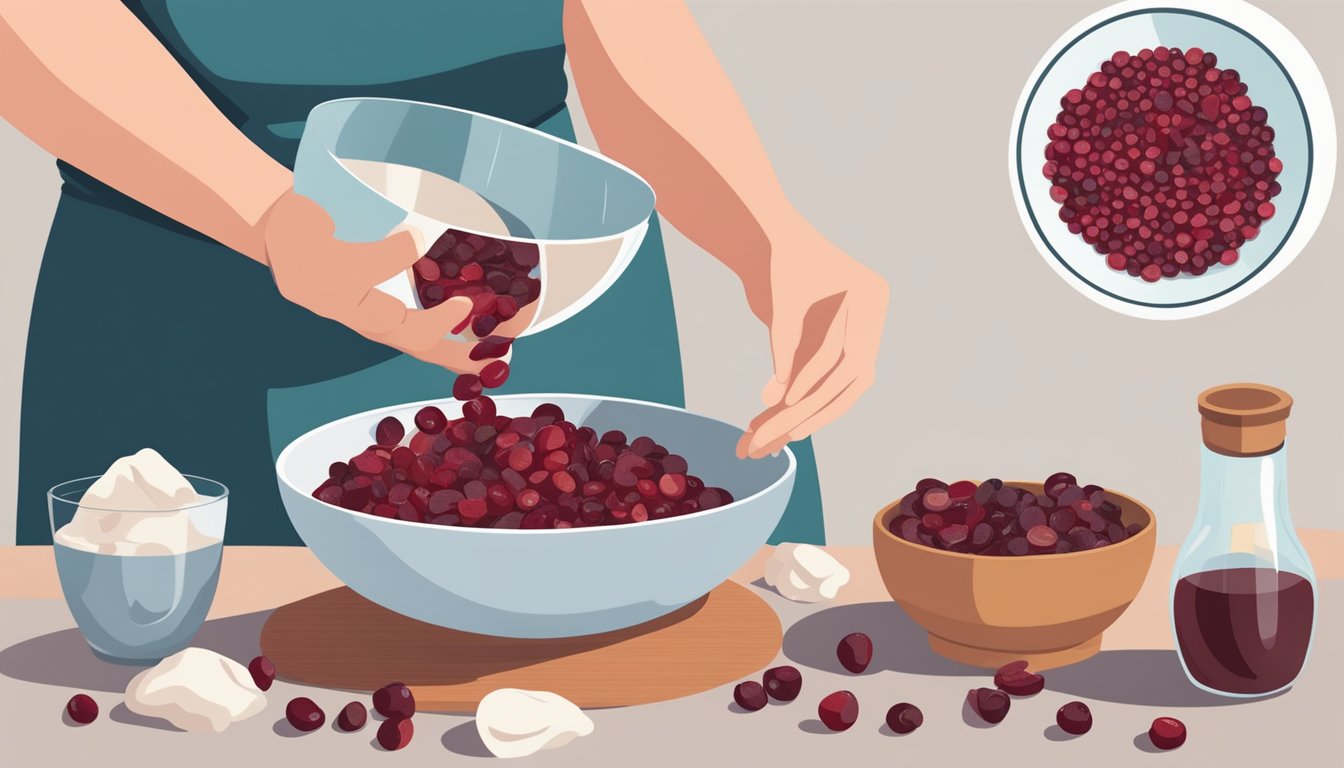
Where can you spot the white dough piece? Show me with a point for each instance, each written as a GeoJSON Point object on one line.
{"type": "Point", "coordinates": [517, 723]}
{"type": "Point", "coordinates": [805, 573]}
{"type": "Point", "coordinates": [196, 690]}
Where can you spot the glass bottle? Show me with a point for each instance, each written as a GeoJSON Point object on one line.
{"type": "Point", "coordinates": [1243, 595]}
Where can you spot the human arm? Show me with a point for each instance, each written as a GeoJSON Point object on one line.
{"type": "Point", "coordinates": [90, 84]}
{"type": "Point", "coordinates": [658, 101]}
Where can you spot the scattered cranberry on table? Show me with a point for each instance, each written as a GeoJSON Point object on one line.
{"type": "Point", "coordinates": [783, 683]}
{"type": "Point", "coordinates": [904, 718]}
{"type": "Point", "coordinates": [1167, 733]}
{"type": "Point", "coordinates": [990, 704]}
{"type": "Point", "coordinates": [541, 471]}
{"type": "Point", "coordinates": [394, 700]}
{"type": "Point", "coordinates": [82, 708]}
{"type": "Point", "coordinates": [839, 710]}
{"type": "Point", "coordinates": [750, 695]}
{"type": "Point", "coordinates": [855, 652]}
{"type": "Point", "coordinates": [1074, 718]}
{"type": "Point", "coordinates": [993, 518]}
{"type": "Point", "coordinates": [304, 714]}
{"type": "Point", "coordinates": [1162, 163]}
{"type": "Point", "coordinates": [352, 717]}
{"type": "Point", "coordinates": [263, 672]}
{"type": "Point", "coordinates": [395, 733]}
{"type": "Point", "coordinates": [1014, 679]}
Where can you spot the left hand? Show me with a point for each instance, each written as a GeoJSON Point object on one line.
{"type": "Point", "coordinates": [825, 312]}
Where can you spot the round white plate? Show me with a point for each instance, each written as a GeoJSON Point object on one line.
{"type": "Point", "coordinates": [1281, 77]}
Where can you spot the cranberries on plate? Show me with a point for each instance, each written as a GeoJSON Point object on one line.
{"type": "Point", "coordinates": [1167, 733]}
{"type": "Point", "coordinates": [1162, 163]}
{"type": "Point", "coordinates": [750, 695]}
{"type": "Point", "coordinates": [855, 652]}
{"type": "Point", "coordinates": [82, 708]}
{"type": "Point", "coordinates": [904, 718]}
{"type": "Point", "coordinates": [783, 683]}
{"type": "Point", "coordinates": [304, 714]}
{"type": "Point", "coordinates": [486, 470]}
{"type": "Point", "coordinates": [263, 672]}
{"type": "Point", "coordinates": [839, 710]}
{"type": "Point", "coordinates": [993, 518]}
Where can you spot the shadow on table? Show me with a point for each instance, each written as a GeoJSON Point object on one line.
{"type": "Point", "coordinates": [1148, 677]}
{"type": "Point", "coordinates": [63, 658]}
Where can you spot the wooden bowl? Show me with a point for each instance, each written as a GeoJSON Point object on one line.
{"type": "Point", "coordinates": [988, 610]}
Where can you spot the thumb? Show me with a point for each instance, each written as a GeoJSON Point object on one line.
{"type": "Point", "coordinates": [786, 333]}
{"type": "Point", "coordinates": [390, 256]}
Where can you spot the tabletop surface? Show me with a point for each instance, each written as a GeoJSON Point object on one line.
{"type": "Point", "coordinates": [44, 660]}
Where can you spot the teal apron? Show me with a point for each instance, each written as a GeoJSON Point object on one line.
{"type": "Point", "coordinates": [146, 333]}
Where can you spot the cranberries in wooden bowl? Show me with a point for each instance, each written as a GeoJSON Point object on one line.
{"type": "Point", "coordinates": [993, 518]}
{"type": "Point", "coordinates": [1162, 163]}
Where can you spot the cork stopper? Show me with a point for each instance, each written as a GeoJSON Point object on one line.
{"type": "Point", "coordinates": [1244, 419]}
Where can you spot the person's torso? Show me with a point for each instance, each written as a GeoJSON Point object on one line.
{"type": "Point", "coordinates": [266, 63]}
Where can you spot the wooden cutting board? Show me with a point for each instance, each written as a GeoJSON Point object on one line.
{"type": "Point", "coordinates": [337, 639]}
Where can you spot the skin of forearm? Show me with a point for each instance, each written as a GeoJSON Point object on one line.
{"type": "Point", "coordinates": [88, 83]}
{"type": "Point", "coordinates": [658, 101]}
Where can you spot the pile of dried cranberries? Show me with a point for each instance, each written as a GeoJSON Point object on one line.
{"type": "Point", "coordinates": [1162, 163]}
{"type": "Point", "coordinates": [997, 519]}
{"type": "Point", "coordinates": [495, 274]}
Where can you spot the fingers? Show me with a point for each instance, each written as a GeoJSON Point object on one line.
{"type": "Point", "coordinates": [773, 392]}
{"type": "Point", "coordinates": [825, 359]}
{"type": "Point", "coordinates": [782, 422]}
{"type": "Point", "coordinates": [423, 329]}
{"type": "Point", "coordinates": [377, 262]}
{"type": "Point", "coordinates": [453, 355]}
{"type": "Point", "coordinates": [786, 333]}
{"type": "Point", "coordinates": [375, 316]}
{"type": "Point", "coordinates": [832, 410]}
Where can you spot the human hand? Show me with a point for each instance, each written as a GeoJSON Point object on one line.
{"type": "Point", "coordinates": [825, 312]}
{"type": "Point", "coordinates": [336, 280]}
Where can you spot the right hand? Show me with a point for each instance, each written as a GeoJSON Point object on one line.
{"type": "Point", "coordinates": [336, 280]}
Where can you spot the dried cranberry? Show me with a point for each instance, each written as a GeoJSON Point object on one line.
{"type": "Point", "coordinates": [467, 386]}
{"type": "Point", "coordinates": [855, 652]}
{"type": "Point", "coordinates": [990, 704]}
{"type": "Point", "coordinates": [82, 708]}
{"type": "Point", "coordinates": [304, 714]}
{"type": "Point", "coordinates": [749, 695]}
{"type": "Point", "coordinates": [494, 374]}
{"type": "Point", "coordinates": [263, 672]}
{"type": "Point", "coordinates": [1074, 718]}
{"type": "Point", "coordinates": [1014, 678]}
{"type": "Point", "coordinates": [783, 683]}
{"type": "Point", "coordinates": [395, 733]}
{"type": "Point", "coordinates": [839, 710]}
{"type": "Point", "coordinates": [389, 431]}
{"type": "Point", "coordinates": [904, 718]}
{"type": "Point", "coordinates": [352, 717]}
{"type": "Point", "coordinates": [430, 420]}
{"type": "Point", "coordinates": [394, 700]}
{"type": "Point", "coordinates": [1167, 733]}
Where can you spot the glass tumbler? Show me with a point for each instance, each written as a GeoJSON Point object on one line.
{"type": "Point", "coordinates": [139, 583]}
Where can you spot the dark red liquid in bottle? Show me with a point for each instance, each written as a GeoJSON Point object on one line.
{"type": "Point", "coordinates": [1243, 630]}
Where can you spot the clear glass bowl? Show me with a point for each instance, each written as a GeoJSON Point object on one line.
{"type": "Point", "coordinates": [379, 166]}
{"type": "Point", "coordinates": [139, 583]}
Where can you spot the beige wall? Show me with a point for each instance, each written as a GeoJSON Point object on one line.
{"type": "Point", "coordinates": [888, 123]}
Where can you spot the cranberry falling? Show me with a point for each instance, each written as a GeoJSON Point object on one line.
{"type": "Point", "coordinates": [1162, 163]}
